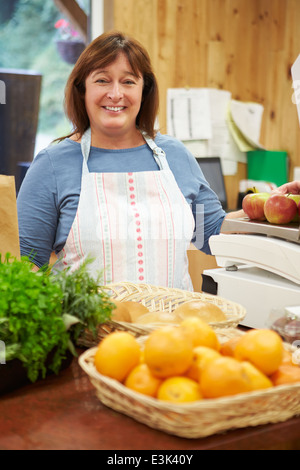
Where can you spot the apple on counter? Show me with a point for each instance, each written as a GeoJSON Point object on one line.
{"type": "Point", "coordinates": [280, 209]}
{"type": "Point", "coordinates": [296, 198]}
{"type": "Point", "coordinates": [253, 205]}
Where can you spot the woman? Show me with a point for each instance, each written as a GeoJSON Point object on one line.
{"type": "Point", "coordinates": [114, 190]}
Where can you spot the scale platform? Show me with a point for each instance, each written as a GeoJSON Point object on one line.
{"type": "Point", "coordinates": [269, 247]}
{"type": "Point", "coordinates": [290, 232]}
{"type": "Point", "coordinates": [259, 267]}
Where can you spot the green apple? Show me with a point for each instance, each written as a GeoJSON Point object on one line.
{"type": "Point", "coordinates": [296, 198]}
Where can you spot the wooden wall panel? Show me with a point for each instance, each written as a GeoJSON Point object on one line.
{"type": "Point", "coordinates": [244, 46]}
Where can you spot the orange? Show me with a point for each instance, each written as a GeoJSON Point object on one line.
{"type": "Point", "coordinates": [142, 356]}
{"type": "Point", "coordinates": [227, 348]}
{"type": "Point", "coordinates": [179, 390]}
{"type": "Point", "coordinates": [141, 380]}
{"type": "Point", "coordinates": [207, 311]}
{"type": "Point", "coordinates": [117, 354]}
{"type": "Point", "coordinates": [120, 313]}
{"type": "Point", "coordinates": [286, 374]}
{"type": "Point", "coordinates": [257, 379]}
{"type": "Point", "coordinates": [200, 333]}
{"type": "Point", "coordinates": [287, 358]}
{"type": "Point", "coordinates": [223, 376]}
{"type": "Point", "coordinates": [136, 309]}
{"type": "Point", "coordinates": [263, 348]}
{"type": "Point", "coordinates": [168, 351]}
{"type": "Point", "coordinates": [202, 356]}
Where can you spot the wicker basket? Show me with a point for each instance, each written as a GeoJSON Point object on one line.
{"type": "Point", "coordinates": [156, 299]}
{"type": "Point", "coordinates": [202, 418]}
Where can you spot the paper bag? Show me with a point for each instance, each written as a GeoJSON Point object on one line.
{"type": "Point", "coordinates": [9, 229]}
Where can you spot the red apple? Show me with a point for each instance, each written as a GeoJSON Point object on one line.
{"type": "Point", "coordinates": [253, 205]}
{"type": "Point", "coordinates": [280, 209]}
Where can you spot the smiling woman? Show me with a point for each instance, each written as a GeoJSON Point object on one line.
{"type": "Point", "coordinates": [108, 49]}
{"type": "Point", "coordinates": [113, 98]}
{"type": "Point", "coordinates": [115, 190]}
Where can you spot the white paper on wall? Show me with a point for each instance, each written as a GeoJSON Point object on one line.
{"type": "Point", "coordinates": [211, 124]}
{"type": "Point", "coordinates": [296, 84]}
{"type": "Point", "coordinates": [188, 114]}
{"type": "Point", "coordinates": [247, 117]}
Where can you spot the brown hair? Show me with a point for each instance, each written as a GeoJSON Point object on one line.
{"type": "Point", "coordinates": [101, 52]}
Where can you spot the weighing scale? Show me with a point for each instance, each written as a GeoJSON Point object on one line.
{"type": "Point", "coordinates": [259, 262]}
{"type": "Point", "coordinates": [259, 268]}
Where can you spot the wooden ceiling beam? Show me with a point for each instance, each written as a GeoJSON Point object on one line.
{"type": "Point", "coordinates": [75, 15]}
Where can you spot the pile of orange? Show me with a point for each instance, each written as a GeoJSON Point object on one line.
{"type": "Point", "coordinates": [187, 362]}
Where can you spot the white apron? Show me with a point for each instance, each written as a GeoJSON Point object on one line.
{"type": "Point", "coordinates": [134, 226]}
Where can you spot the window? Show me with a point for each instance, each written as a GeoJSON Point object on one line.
{"type": "Point", "coordinates": [28, 41]}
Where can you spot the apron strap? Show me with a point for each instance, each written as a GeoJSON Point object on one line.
{"type": "Point", "coordinates": [85, 148]}
{"type": "Point", "coordinates": [158, 154]}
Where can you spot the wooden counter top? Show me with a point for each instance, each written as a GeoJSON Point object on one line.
{"type": "Point", "coordinates": [63, 412]}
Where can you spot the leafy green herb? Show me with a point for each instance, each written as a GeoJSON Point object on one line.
{"type": "Point", "coordinates": [83, 300]}
{"type": "Point", "coordinates": [31, 323]}
{"type": "Point", "coordinates": [42, 313]}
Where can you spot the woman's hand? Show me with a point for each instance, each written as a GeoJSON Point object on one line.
{"type": "Point", "coordinates": [235, 214]}
{"type": "Point", "coordinates": [288, 188]}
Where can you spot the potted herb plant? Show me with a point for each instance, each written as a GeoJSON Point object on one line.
{"type": "Point", "coordinates": [41, 317]}
{"type": "Point", "coordinates": [69, 43]}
